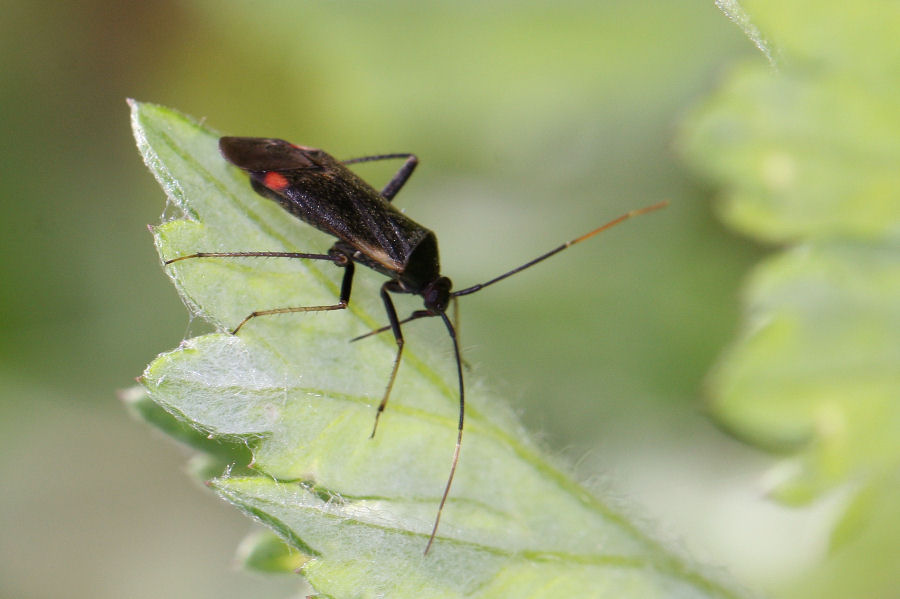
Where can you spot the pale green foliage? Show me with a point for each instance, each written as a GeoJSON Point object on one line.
{"type": "Point", "coordinates": [356, 512]}
{"type": "Point", "coordinates": [809, 155]}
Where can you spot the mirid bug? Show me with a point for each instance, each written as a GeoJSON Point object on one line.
{"type": "Point", "coordinates": [323, 192]}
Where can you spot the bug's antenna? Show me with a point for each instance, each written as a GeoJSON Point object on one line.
{"type": "Point", "coordinates": [556, 250]}
{"type": "Point", "coordinates": [459, 430]}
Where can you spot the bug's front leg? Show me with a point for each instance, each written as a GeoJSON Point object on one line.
{"type": "Point", "coordinates": [386, 289]}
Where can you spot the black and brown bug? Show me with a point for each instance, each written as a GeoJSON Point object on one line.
{"type": "Point", "coordinates": [370, 230]}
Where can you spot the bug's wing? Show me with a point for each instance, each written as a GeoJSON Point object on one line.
{"type": "Point", "coordinates": [339, 203]}
{"type": "Point", "coordinates": [261, 154]}
{"type": "Point", "coordinates": [318, 189]}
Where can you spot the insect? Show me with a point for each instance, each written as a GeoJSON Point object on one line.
{"type": "Point", "coordinates": [371, 231]}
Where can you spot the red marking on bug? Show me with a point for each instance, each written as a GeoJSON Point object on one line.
{"type": "Point", "coordinates": [275, 181]}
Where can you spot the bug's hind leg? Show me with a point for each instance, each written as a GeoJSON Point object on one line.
{"type": "Point", "coordinates": [400, 177]}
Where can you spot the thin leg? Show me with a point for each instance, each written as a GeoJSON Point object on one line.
{"type": "Point", "coordinates": [398, 337]}
{"type": "Point", "coordinates": [399, 178]}
{"type": "Point", "coordinates": [336, 257]}
{"type": "Point", "coordinates": [304, 256]}
{"type": "Point", "coordinates": [346, 285]}
{"type": "Point", "coordinates": [414, 316]}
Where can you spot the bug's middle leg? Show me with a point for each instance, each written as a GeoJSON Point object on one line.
{"type": "Point", "coordinates": [343, 300]}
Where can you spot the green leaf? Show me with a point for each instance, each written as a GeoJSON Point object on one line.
{"type": "Point", "coordinates": [808, 155]}
{"type": "Point", "coordinates": [217, 453]}
{"type": "Point", "coordinates": [290, 387]}
{"type": "Point", "coordinates": [264, 551]}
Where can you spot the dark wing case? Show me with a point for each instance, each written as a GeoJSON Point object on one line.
{"type": "Point", "coordinates": [324, 193]}
{"type": "Point", "coordinates": [336, 201]}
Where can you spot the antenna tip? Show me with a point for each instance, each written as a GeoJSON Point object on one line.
{"type": "Point", "coordinates": [651, 208]}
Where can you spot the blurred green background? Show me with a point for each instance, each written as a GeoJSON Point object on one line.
{"type": "Point", "coordinates": [534, 121]}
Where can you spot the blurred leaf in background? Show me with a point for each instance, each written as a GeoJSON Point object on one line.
{"type": "Point", "coordinates": [808, 157]}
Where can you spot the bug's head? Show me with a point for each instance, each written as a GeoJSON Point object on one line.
{"type": "Point", "coordinates": [437, 294]}
{"type": "Point", "coordinates": [260, 154]}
